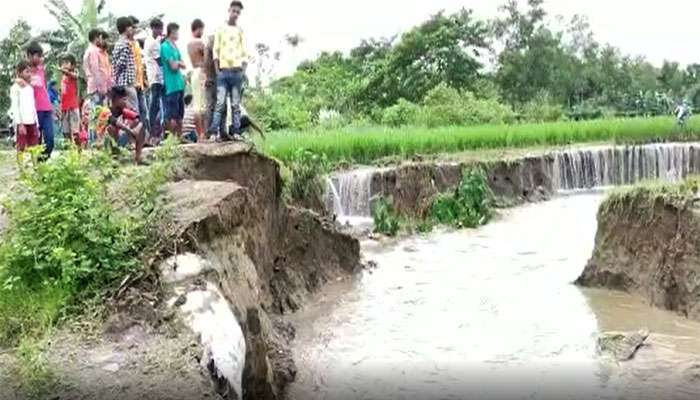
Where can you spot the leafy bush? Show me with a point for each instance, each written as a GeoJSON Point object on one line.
{"type": "Point", "coordinates": [445, 106]}
{"type": "Point", "coordinates": [542, 109]}
{"type": "Point", "coordinates": [306, 170]}
{"type": "Point", "coordinates": [77, 225]}
{"type": "Point", "coordinates": [469, 206]}
{"type": "Point", "coordinates": [401, 114]}
{"type": "Point", "coordinates": [485, 111]}
{"type": "Point", "coordinates": [280, 111]}
{"type": "Point", "coordinates": [63, 229]}
{"type": "Point", "coordinates": [330, 119]}
{"type": "Point", "coordinates": [385, 219]}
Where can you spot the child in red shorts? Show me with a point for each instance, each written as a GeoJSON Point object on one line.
{"type": "Point", "coordinates": [23, 109]}
{"type": "Point", "coordinates": [70, 106]}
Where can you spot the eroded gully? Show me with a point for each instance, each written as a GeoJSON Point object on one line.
{"type": "Point", "coordinates": [489, 313]}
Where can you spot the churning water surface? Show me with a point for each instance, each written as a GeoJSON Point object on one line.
{"type": "Point", "coordinates": [489, 313]}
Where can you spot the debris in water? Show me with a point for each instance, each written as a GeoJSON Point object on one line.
{"type": "Point", "coordinates": [113, 367]}
{"type": "Point", "coordinates": [410, 249]}
{"type": "Point", "coordinates": [623, 346]}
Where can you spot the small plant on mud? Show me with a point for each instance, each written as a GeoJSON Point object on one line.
{"type": "Point", "coordinates": [386, 221]}
{"type": "Point", "coordinates": [306, 170]}
{"type": "Point", "coordinates": [32, 370]}
{"type": "Point", "coordinates": [469, 206]}
{"type": "Point", "coordinates": [77, 225]}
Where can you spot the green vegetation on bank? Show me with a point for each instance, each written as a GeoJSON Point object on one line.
{"type": "Point", "coordinates": [303, 176]}
{"type": "Point", "coordinates": [76, 227]}
{"type": "Point", "coordinates": [368, 144]}
{"type": "Point", "coordinates": [641, 198]}
{"type": "Point", "coordinates": [469, 206]}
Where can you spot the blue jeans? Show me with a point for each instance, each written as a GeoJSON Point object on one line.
{"type": "Point", "coordinates": [156, 110]}
{"type": "Point", "coordinates": [46, 126]}
{"type": "Point", "coordinates": [229, 84]}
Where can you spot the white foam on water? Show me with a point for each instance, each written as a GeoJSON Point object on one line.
{"type": "Point", "coordinates": [183, 267]}
{"type": "Point", "coordinates": [207, 313]}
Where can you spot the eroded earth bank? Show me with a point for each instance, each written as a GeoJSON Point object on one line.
{"type": "Point", "coordinates": [241, 259]}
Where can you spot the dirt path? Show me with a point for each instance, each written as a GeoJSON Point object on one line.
{"type": "Point", "coordinates": [136, 364]}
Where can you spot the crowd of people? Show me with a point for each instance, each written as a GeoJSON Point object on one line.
{"type": "Point", "coordinates": [139, 92]}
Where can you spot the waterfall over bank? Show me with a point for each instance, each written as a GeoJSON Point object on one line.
{"type": "Point", "coordinates": [349, 193]}
{"type": "Point", "coordinates": [588, 168]}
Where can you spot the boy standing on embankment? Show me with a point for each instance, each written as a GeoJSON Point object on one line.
{"type": "Point", "coordinates": [70, 106]}
{"type": "Point", "coordinates": [44, 109]}
{"type": "Point", "coordinates": [23, 110]}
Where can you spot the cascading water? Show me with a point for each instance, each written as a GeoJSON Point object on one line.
{"type": "Point", "coordinates": [587, 168]}
{"type": "Point", "coordinates": [349, 193]}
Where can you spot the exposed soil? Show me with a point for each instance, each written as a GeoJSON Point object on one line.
{"type": "Point", "coordinates": [136, 364]}
{"type": "Point", "coordinates": [226, 207]}
{"type": "Point", "coordinates": [268, 257]}
{"type": "Point", "coordinates": [649, 243]}
{"type": "Point", "coordinates": [414, 186]}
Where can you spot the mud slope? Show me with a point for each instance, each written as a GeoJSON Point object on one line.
{"type": "Point", "coordinates": [266, 257]}
{"type": "Point", "coordinates": [648, 242]}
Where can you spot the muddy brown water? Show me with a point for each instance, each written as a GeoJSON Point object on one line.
{"type": "Point", "coordinates": [489, 313]}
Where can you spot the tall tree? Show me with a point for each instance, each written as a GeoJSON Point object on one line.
{"type": "Point", "coordinates": [672, 78]}
{"type": "Point", "coordinates": [533, 58]}
{"type": "Point", "coordinates": [446, 48]}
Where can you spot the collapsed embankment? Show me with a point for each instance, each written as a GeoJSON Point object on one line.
{"type": "Point", "coordinates": [648, 243]}
{"type": "Point", "coordinates": [264, 258]}
{"type": "Point", "coordinates": [413, 187]}
{"type": "Point", "coordinates": [513, 180]}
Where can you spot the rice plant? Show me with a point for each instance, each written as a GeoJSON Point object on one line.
{"type": "Point", "coordinates": [367, 144]}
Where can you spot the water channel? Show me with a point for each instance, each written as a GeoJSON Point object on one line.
{"type": "Point", "coordinates": [490, 314]}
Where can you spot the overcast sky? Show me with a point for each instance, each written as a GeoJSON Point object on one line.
{"type": "Point", "coordinates": [656, 29]}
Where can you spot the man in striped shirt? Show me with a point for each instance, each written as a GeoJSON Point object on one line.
{"type": "Point", "coordinates": [123, 65]}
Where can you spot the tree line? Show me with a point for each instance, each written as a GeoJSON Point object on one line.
{"type": "Point", "coordinates": [454, 68]}
{"type": "Point", "coordinates": [519, 61]}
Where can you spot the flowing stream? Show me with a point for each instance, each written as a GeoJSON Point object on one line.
{"type": "Point", "coordinates": [489, 314]}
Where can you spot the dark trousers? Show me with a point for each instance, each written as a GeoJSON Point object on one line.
{"type": "Point", "coordinates": [155, 113]}
{"type": "Point", "coordinates": [46, 127]}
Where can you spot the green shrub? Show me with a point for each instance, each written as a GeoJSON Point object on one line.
{"type": "Point", "coordinates": [331, 119]}
{"type": "Point", "coordinates": [485, 111]}
{"type": "Point", "coordinates": [385, 219]}
{"type": "Point", "coordinates": [306, 170]}
{"type": "Point", "coordinates": [469, 206]}
{"type": "Point", "coordinates": [63, 230]}
{"type": "Point", "coordinates": [542, 109]}
{"type": "Point", "coordinates": [76, 226]}
{"type": "Point", "coordinates": [280, 111]}
{"type": "Point", "coordinates": [445, 106]}
{"type": "Point", "coordinates": [401, 114]}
